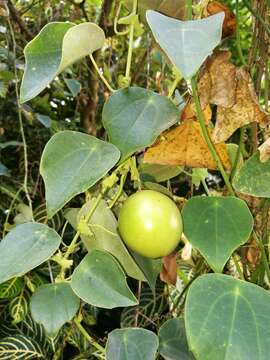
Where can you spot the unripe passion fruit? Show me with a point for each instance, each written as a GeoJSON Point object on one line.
{"type": "Point", "coordinates": [150, 224]}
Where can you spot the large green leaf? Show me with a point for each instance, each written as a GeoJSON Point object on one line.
{"type": "Point", "coordinates": [254, 177]}
{"type": "Point", "coordinates": [25, 247]}
{"type": "Point", "coordinates": [216, 226]}
{"type": "Point", "coordinates": [103, 226]}
{"type": "Point", "coordinates": [131, 344]}
{"type": "Point", "coordinates": [173, 341]}
{"type": "Point", "coordinates": [227, 319]}
{"type": "Point", "coordinates": [134, 117]}
{"type": "Point", "coordinates": [57, 46]}
{"type": "Point", "coordinates": [52, 305]}
{"type": "Point", "coordinates": [186, 43]}
{"type": "Point", "coordinates": [71, 163]}
{"type": "Point", "coordinates": [100, 281]}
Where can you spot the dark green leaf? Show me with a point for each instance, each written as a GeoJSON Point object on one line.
{"type": "Point", "coordinates": [227, 319]}
{"type": "Point", "coordinates": [131, 344]}
{"type": "Point", "coordinates": [216, 226]}
{"type": "Point", "coordinates": [25, 247]}
{"type": "Point", "coordinates": [134, 117]}
{"type": "Point", "coordinates": [100, 281]}
{"type": "Point", "coordinates": [71, 163]}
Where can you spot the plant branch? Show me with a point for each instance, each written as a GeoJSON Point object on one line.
{"type": "Point", "coordinates": [88, 337]}
{"type": "Point", "coordinates": [131, 39]}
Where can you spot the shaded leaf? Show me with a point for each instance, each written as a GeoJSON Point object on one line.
{"type": "Point", "coordinates": [158, 173]}
{"type": "Point", "coordinates": [216, 226]}
{"type": "Point", "coordinates": [25, 247]}
{"type": "Point", "coordinates": [134, 117]}
{"type": "Point", "coordinates": [253, 178]}
{"type": "Point", "coordinates": [185, 145]}
{"type": "Point", "coordinates": [100, 281]}
{"type": "Point", "coordinates": [60, 45]}
{"type": "Point", "coordinates": [186, 43]}
{"type": "Point", "coordinates": [226, 319]}
{"type": "Point", "coordinates": [245, 111]}
{"type": "Point", "coordinates": [20, 347]}
{"type": "Point", "coordinates": [173, 342]}
{"type": "Point", "coordinates": [53, 305]}
{"type": "Point", "coordinates": [131, 344]}
{"type": "Point", "coordinates": [71, 163]}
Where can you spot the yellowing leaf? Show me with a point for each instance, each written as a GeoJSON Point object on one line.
{"type": "Point", "coordinates": [185, 145]}
{"type": "Point", "coordinates": [265, 151]}
{"type": "Point", "coordinates": [245, 110]}
{"type": "Point", "coordinates": [217, 84]}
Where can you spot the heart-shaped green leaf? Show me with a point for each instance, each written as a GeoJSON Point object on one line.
{"type": "Point", "coordinates": [227, 319]}
{"type": "Point", "coordinates": [216, 226]}
{"type": "Point", "coordinates": [173, 341]}
{"type": "Point", "coordinates": [25, 247]}
{"type": "Point", "coordinates": [104, 236]}
{"type": "Point", "coordinates": [254, 177]}
{"type": "Point", "coordinates": [131, 344]}
{"type": "Point", "coordinates": [100, 281]}
{"type": "Point", "coordinates": [71, 163]}
{"type": "Point", "coordinates": [57, 46]}
{"type": "Point", "coordinates": [186, 43]}
{"type": "Point", "coordinates": [52, 305]}
{"type": "Point", "coordinates": [134, 117]}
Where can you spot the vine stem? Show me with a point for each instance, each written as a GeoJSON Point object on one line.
{"type": "Point", "coordinates": [100, 74]}
{"type": "Point", "coordinates": [238, 38]}
{"type": "Point", "coordinates": [207, 138]}
{"type": "Point", "coordinates": [25, 182]}
{"type": "Point", "coordinates": [264, 256]}
{"type": "Point", "coordinates": [88, 337]}
{"type": "Point", "coordinates": [74, 241]}
{"type": "Point", "coordinates": [131, 38]}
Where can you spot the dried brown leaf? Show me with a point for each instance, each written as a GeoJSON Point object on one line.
{"type": "Point", "coordinates": [185, 145]}
{"type": "Point", "coordinates": [168, 272]}
{"type": "Point", "coordinates": [217, 84]}
{"type": "Point", "coordinates": [265, 151]}
{"type": "Point", "coordinates": [245, 110]}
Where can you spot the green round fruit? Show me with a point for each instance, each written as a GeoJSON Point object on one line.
{"type": "Point", "coordinates": [150, 224]}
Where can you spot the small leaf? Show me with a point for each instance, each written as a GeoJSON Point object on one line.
{"type": "Point", "coordinates": [254, 177]}
{"type": "Point", "coordinates": [44, 120]}
{"type": "Point", "coordinates": [53, 305]}
{"type": "Point", "coordinates": [71, 163]}
{"type": "Point", "coordinates": [26, 247]}
{"type": "Point", "coordinates": [74, 86]}
{"type": "Point", "coordinates": [131, 344]}
{"type": "Point", "coordinates": [134, 117]}
{"type": "Point", "coordinates": [216, 226]}
{"type": "Point", "coordinates": [100, 281]}
{"type": "Point", "coordinates": [226, 319]}
{"type": "Point", "coordinates": [158, 173]}
{"type": "Point", "coordinates": [173, 342]}
{"type": "Point", "coordinates": [185, 145]}
{"type": "Point", "coordinates": [57, 46]}
{"type": "Point", "coordinates": [186, 43]}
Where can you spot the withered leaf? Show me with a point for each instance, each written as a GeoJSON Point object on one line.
{"type": "Point", "coordinates": [217, 84]}
{"type": "Point", "coordinates": [168, 272]}
{"type": "Point", "coordinates": [185, 145]}
{"type": "Point", "coordinates": [189, 112]}
{"type": "Point", "coordinates": [245, 110]}
{"type": "Point", "coordinates": [265, 151]}
{"type": "Point", "coordinates": [229, 24]}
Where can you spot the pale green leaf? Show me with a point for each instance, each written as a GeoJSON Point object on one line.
{"type": "Point", "coordinates": [186, 43]}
